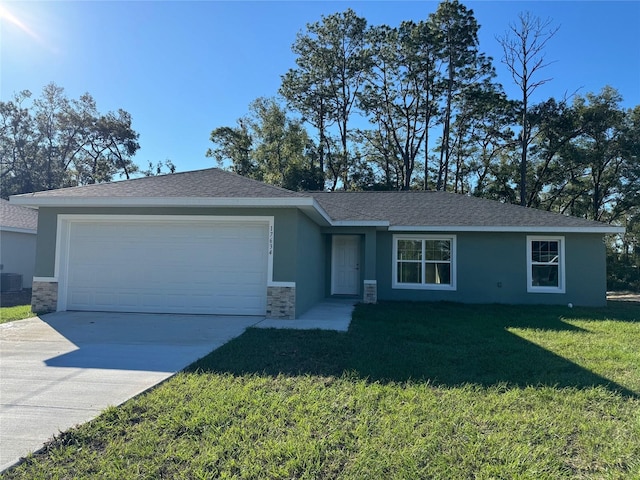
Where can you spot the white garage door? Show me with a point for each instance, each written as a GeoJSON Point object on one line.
{"type": "Point", "coordinates": [200, 266]}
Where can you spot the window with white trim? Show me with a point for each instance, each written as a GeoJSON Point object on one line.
{"type": "Point", "coordinates": [545, 264]}
{"type": "Point", "coordinates": [424, 261]}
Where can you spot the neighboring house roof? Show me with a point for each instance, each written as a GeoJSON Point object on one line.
{"type": "Point", "coordinates": [14, 218]}
{"type": "Point", "coordinates": [407, 210]}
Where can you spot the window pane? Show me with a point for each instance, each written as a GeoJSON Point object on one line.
{"type": "Point", "coordinates": [437, 250]}
{"type": "Point", "coordinates": [544, 251]}
{"type": "Point", "coordinates": [544, 275]}
{"type": "Point", "coordinates": [437, 273]}
{"type": "Point", "coordinates": [409, 272]}
{"type": "Point", "coordinates": [409, 250]}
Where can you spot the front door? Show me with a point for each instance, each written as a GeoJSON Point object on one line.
{"type": "Point", "coordinates": [345, 265]}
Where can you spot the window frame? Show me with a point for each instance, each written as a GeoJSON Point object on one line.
{"type": "Point", "coordinates": [452, 286]}
{"type": "Point", "coordinates": [561, 288]}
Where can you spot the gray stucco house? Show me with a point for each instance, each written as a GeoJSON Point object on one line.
{"type": "Point", "coordinates": [18, 228]}
{"type": "Point", "coordinates": [213, 242]}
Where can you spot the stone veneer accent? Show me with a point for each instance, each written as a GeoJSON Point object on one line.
{"type": "Point", "coordinates": [281, 302]}
{"type": "Point", "coordinates": [44, 297]}
{"type": "Point", "coordinates": [370, 291]}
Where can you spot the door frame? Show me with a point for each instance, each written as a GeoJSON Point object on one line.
{"type": "Point", "coordinates": [356, 242]}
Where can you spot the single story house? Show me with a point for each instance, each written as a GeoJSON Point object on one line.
{"type": "Point", "coordinates": [18, 228]}
{"type": "Point", "coordinates": [213, 242]}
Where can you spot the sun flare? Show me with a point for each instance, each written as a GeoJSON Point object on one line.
{"type": "Point", "coordinates": [5, 14]}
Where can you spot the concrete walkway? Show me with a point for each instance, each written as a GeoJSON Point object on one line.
{"type": "Point", "coordinates": [330, 314]}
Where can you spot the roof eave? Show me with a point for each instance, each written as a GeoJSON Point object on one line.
{"type": "Point", "coordinates": [37, 202]}
{"type": "Point", "coordinates": [605, 229]}
{"type": "Point", "coordinates": [360, 223]}
{"type": "Point", "coordinates": [308, 204]}
{"type": "Point", "coordinates": [18, 230]}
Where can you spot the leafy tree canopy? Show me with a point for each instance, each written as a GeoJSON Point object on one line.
{"type": "Point", "coordinates": [52, 141]}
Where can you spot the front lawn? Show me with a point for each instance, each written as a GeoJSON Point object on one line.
{"type": "Point", "coordinates": [411, 391]}
{"type": "Point", "coordinates": [19, 312]}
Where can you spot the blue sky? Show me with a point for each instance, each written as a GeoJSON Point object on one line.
{"type": "Point", "coordinates": [184, 68]}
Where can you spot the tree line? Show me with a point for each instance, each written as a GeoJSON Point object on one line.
{"type": "Point", "coordinates": [52, 142]}
{"type": "Point", "coordinates": [375, 107]}
{"type": "Point", "coordinates": [419, 106]}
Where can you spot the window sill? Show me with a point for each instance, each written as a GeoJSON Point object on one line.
{"type": "Point", "coordinates": [545, 290]}
{"type": "Point", "coordinates": [419, 286]}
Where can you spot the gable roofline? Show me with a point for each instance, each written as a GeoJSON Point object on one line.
{"type": "Point", "coordinates": [307, 204]}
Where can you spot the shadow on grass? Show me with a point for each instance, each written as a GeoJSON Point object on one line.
{"type": "Point", "coordinates": [440, 343]}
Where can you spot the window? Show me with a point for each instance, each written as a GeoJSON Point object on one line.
{"type": "Point", "coordinates": [545, 264]}
{"type": "Point", "coordinates": [424, 261]}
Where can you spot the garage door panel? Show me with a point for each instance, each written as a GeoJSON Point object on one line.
{"type": "Point", "coordinates": [210, 267]}
{"type": "Point", "coordinates": [128, 299]}
{"type": "Point", "coordinates": [149, 300]}
{"type": "Point", "coordinates": [79, 297]}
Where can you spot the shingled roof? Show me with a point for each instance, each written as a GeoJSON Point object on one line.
{"type": "Point", "coordinates": [438, 210]}
{"type": "Point", "coordinates": [406, 210]}
{"type": "Point", "coordinates": [211, 182]}
{"type": "Point", "coordinates": [16, 218]}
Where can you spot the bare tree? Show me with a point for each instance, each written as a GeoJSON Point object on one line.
{"type": "Point", "coordinates": [523, 44]}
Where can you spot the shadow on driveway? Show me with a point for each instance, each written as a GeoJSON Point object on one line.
{"type": "Point", "coordinates": [65, 368]}
{"type": "Point", "coordinates": [149, 342]}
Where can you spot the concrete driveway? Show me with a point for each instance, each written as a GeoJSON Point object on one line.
{"type": "Point", "coordinates": [65, 368]}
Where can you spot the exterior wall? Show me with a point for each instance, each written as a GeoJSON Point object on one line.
{"type": "Point", "coordinates": [18, 255]}
{"type": "Point", "coordinates": [586, 264]}
{"type": "Point", "coordinates": [285, 245]}
{"type": "Point", "coordinates": [492, 268]}
{"type": "Point", "coordinates": [310, 264]}
{"type": "Point", "coordinates": [370, 284]}
{"type": "Point", "coordinates": [46, 243]}
{"type": "Point", "coordinates": [284, 232]}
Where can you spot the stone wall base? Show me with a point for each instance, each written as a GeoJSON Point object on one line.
{"type": "Point", "coordinates": [44, 297]}
{"type": "Point", "coordinates": [370, 291]}
{"type": "Point", "coordinates": [281, 302]}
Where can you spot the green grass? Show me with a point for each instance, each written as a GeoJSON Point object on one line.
{"type": "Point", "coordinates": [411, 391]}
{"type": "Point", "coordinates": [19, 312]}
